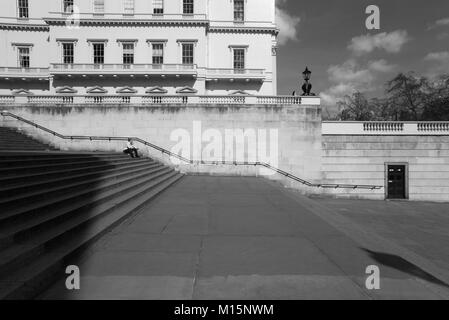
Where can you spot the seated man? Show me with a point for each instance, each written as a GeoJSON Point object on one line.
{"type": "Point", "coordinates": [131, 149]}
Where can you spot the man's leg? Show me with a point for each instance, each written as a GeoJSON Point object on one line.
{"type": "Point", "coordinates": [131, 152]}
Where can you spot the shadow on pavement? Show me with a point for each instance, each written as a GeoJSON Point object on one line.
{"type": "Point", "coordinates": [403, 265]}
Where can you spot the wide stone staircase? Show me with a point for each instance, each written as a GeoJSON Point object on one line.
{"type": "Point", "coordinates": [11, 139]}
{"type": "Point", "coordinates": [54, 204]}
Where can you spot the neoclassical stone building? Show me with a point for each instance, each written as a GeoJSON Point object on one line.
{"type": "Point", "coordinates": [201, 47]}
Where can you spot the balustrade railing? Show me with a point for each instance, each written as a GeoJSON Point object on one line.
{"type": "Point", "coordinates": [125, 68]}
{"type": "Point", "coordinates": [50, 99]}
{"type": "Point", "coordinates": [235, 72]}
{"type": "Point", "coordinates": [7, 99]}
{"type": "Point", "coordinates": [222, 100]}
{"type": "Point", "coordinates": [24, 71]}
{"type": "Point", "coordinates": [163, 99]}
{"type": "Point", "coordinates": [433, 126]}
{"type": "Point", "coordinates": [385, 128]}
{"type": "Point", "coordinates": [279, 100]}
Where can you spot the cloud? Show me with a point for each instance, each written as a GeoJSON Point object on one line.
{"type": "Point", "coordinates": [348, 72]}
{"type": "Point", "coordinates": [390, 42]}
{"type": "Point", "coordinates": [286, 23]}
{"type": "Point", "coordinates": [330, 97]}
{"type": "Point", "coordinates": [440, 23]}
{"type": "Point", "coordinates": [381, 66]}
{"type": "Point", "coordinates": [439, 63]}
{"type": "Point", "coordinates": [438, 56]}
{"type": "Point", "coordinates": [443, 36]}
{"type": "Point", "coordinates": [351, 76]}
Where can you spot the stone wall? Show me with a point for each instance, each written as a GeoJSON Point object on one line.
{"type": "Point", "coordinates": [360, 159]}
{"type": "Point", "coordinates": [299, 130]}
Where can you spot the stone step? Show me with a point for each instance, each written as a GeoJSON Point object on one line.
{"type": "Point", "coordinates": [22, 239]}
{"type": "Point", "coordinates": [10, 191]}
{"type": "Point", "coordinates": [39, 168]}
{"type": "Point", "coordinates": [72, 200]}
{"type": "Point", "coordinates": [41, 176]}
{"type": "Point", "coordinates": [27, 148]}
{"type": "Point", "coordinates": [20, 142]}
{"type": "Point", "coordinates": [69, 187]}
{"type": "Point", "coordinates": [37, 155]}
{"type": "Point", "coordinates": [4, 163]}
{"type": "Point", "coordinates": [71, 236]}
{"type": "Point", "coordinates": [26, 282]}
{"type": "Point", "coordinates": [27, 230]}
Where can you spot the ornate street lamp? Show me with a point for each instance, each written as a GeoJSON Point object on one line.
{"type": "Point", "coordinates": [306, 73]}
{"type": "Point", "coordinates": [307, 87]}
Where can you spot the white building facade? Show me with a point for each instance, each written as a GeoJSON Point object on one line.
{"type": "Point", "coordinates": [138, 47]}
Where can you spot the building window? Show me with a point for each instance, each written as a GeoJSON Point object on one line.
{"type": "Point", "coordinates": [24, 57]}
{"type": "Point", "coordinates": [158, 53]}
{"type": "Point", "coordinates": [239, 10]}
{"type": "Point", "coordinates": [129, 7]}
{"type": "Point", "coordinates": [67, 53]}
{"type": "Point", "coordinates": [187, 53]}
{"type": "Point", "coordinates": [22, 6]}
{"type": "Point", "coordinates": [187, 7]}
{"type": "Point", "coordinates": [98, 53]}
{"type": "Point", "coordinates": [239, 60]}
{"type": "Point", "coordinates": [99, 6]}
{"type": "Point", "coordinates": [128, 54]}
{"type": "Point", "coordinates": [67, 6]}
{"type": "Point", "coordinates": [158, 6]}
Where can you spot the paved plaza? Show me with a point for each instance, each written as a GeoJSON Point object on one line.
{"type": "Point", "coordinates": [249, 238]}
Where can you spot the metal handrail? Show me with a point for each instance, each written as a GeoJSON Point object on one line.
{"type": "Point", "coordinates": [189, 161]}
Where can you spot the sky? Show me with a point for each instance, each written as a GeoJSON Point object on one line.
{"type": "Point", "coordinates": [331, 38]}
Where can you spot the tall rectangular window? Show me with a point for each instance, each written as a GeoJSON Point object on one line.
{"type": "Point", "coordinates": [67, 53]}
{"type": "Point", "coordinates": [187, 53]}
{"type": "Point", "coordinates": [22, 7]}
{"type": "Point", "coordinates": [98, 53]}
{"type": "Point", "coordinates": [158, 6]}
{"type": "Point", "coordinates": [24, 57]}
{"type": "Point", "coordinates": [99, 6]}
{"type": "Point", "coordinates": [67, 6]}
{"type": "Point", "coordinates": [239, 60]}
{"type": "Point", "coordinates": [187, 7]}
{"type": "Point", "coordinates": [158, 53]}
{"type": "Point", "coordinates": [128, 54]}
{"type": "Point", "coordinates": [239, 10]}
{"type": "Point", "coordinates": [129, 7]}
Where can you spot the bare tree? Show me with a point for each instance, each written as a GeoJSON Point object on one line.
{"type": "Point", "coordinates": [355, 107]}
{"type": "Point", "coordinates": [408, 95]}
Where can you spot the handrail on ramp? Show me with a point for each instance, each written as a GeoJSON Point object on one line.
{"type": "Point", "coordinates": [193, 162]}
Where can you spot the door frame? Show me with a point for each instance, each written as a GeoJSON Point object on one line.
{"type": "Point", "coordinates": [406, 177]}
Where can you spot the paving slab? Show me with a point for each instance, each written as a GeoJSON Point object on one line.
{"type": "Point", "coordinates": [246, 238]}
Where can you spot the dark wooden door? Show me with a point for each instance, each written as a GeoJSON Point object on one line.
{"type": "Point", "coordinates": [396, 182]}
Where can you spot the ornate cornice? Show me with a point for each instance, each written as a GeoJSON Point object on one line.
{"type": "Point", "coordinates": [215, 29]}
{"type": "Point", "coordinates": [139, 22]}
{"type": "Point", "coordinates": [127, 22]}
{"type": "Point", "coordinates": [23, 26]}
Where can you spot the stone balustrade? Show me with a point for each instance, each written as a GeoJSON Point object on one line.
{"type": "Point", "coordinates": [385, 128]}
{"type": "Point", "coordinates": [158, 99]}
